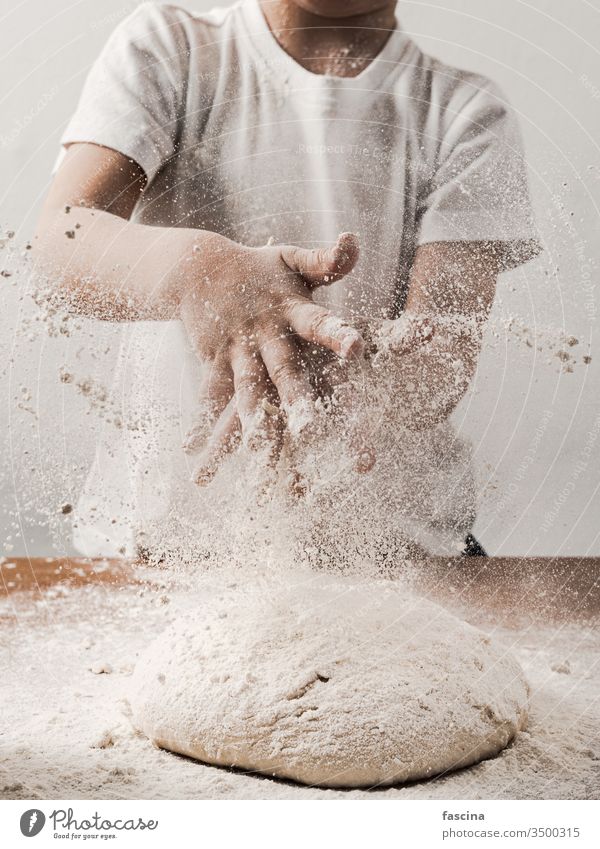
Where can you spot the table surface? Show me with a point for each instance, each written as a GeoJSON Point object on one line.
{"type": "Point", "coordinates": [68, 737]}
{"type": "Point", "coordinates": [515, 590]}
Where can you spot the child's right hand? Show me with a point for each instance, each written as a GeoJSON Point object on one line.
{"type": "Point", "coordinates": [245, 310]}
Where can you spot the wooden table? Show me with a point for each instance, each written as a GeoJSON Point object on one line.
{"type": "Point", "coordinates": [514, 590]}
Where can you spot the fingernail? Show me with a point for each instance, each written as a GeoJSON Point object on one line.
{"type": "Point", "coordinates": [347, 239]}
{"type": "Point", "coordinates": [351, 345]}
{"type": "Point", "coordinates": [340, 254]}
{"type": "Point", "coordinates": [347, 242]}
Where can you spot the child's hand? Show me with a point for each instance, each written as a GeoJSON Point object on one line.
{"type": "Point", "coordinates": [387, 342]}
{"type": "Point", "coordinates": [245, 310]}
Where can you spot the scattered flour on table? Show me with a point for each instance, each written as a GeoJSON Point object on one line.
{"type": "Point", "coordinates": [328, 681]}
{"type": "Point", "coordinates": [55, 745]}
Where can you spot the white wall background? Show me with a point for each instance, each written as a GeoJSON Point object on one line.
{"type": "Point", "coordinates": [535, 427]}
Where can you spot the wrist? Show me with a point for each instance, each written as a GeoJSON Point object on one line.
{"type": "Point", "coordinates": [199, 251]}
{"type": "Point", "coordinates": [183, 270]}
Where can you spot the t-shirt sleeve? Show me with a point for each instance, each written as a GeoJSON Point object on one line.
{"type": "Point", "coordinates": [132, 99]}
{"type": "Point", "coordinates": [479, 189]}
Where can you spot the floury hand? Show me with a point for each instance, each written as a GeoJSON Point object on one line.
{"type": "Point", "coordinates": [248, 316]}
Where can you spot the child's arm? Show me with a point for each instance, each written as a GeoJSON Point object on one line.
{"type": "Point", "coordinates": [451, 291]}
{"type": "Point", "coordinates": [242, 307]}
{"type": "Point", "coordinates": [93, 259]}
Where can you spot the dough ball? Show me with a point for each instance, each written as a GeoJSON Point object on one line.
{"type": "Point", "coordinates": [328, 681]}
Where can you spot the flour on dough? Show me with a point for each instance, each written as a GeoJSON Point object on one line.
{"type": "Point", "coordinates": [328, 681]}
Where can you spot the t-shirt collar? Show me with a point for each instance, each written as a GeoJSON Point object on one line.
{"type": "Point", "coordinates": [269, 51]}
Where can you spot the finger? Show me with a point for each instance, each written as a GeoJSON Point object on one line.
{"type": "Point", "coordinates": [320, 326]}
{"type": "Point", "coordinates": [215, 394]}
{"type": "Point", "coordinates": [256, 401]}
{"type": "Point", "coordinates": [321, 266]}
{"type": "Point", "coordinates": [250, 380]}
{"type": "Point", "coordinates": [224, 439]}
{"type": "Point", "coordinates": [288, 373]}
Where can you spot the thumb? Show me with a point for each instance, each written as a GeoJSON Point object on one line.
{"type": "Point", "coordinates": [320, 266]}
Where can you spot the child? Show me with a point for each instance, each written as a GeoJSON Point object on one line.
{"type": "Point", "coordinates": [210, 165]}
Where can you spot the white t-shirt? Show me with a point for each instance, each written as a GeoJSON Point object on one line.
{"type": "Point", "coordinates": [237, 137]}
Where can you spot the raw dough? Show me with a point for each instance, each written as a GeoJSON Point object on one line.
{"type": "Point", "coordinates": [328, 681]}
